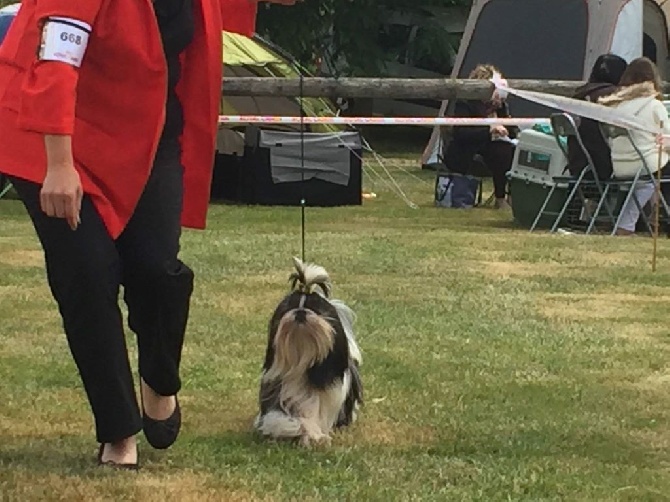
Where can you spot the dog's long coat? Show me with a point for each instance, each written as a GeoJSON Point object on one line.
{"type": "Point", "coordinates": [311, 381]}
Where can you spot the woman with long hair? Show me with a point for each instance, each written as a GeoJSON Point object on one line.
{"type": "Point", "coordinates": [491, 142]}
{"type": "Point", "coordinates": [640, 95]}
{"type": "Point", "coordinates": [603, 81]}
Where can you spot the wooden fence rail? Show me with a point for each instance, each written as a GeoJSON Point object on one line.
{"type": "Point", "coordinates": [398, 88]}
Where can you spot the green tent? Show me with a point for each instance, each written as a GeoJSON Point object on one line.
{"type": "Point", "coordinates": [246, 57]}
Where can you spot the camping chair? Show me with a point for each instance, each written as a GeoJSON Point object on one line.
{"type": "Point", "coordinates": [564, 126]}
{"type": "Point", "coordinates": [5, 186]}
{"type": "Point", "coordinates": [481, 169]}
{"type": "Point", "coordinates": [644, 173]}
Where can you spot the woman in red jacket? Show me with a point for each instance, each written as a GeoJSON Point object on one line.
{"type": "Point", "coordinates": [108, 118]}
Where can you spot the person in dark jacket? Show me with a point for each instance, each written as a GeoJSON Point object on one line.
{"type": "Point", "coordinates": [604, 80]}
{"type": "Point", "coordinates": [491, 142]}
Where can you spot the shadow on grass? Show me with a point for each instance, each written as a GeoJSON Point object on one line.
{"type": "Point", "coordinates": [47, 455]}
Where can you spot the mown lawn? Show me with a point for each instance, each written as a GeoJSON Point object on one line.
{"type": "Point", "coordinates": [498, 365]}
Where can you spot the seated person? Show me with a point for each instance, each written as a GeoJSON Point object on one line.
{"type": "Point", "coordinates": [604, 79]}
{"type": "Point", "coordinates": [640, 94]}
{"type": "Point", "coordinates": [487, 141]}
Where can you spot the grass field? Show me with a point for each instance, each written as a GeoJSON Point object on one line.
{"type": "Point", "coordinates": [498, 365]}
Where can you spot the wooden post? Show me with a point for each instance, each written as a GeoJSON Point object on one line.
{"type": "Point", "coordinates": [408, 88]}
{"type": "Point", "coordinates": [658, 204]}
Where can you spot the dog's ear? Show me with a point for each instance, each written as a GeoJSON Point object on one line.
{"type": "Point", "coordinates": [326, 287]}
{"type": "Point", "coordinates": [294, 279]}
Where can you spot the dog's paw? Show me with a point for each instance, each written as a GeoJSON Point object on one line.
{"type": "Point", "coordinates": [324, 441]}
{"type": "Point", "coordinates": [315, 440]}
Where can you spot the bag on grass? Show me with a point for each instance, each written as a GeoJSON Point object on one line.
{"type": "Point", "coordinates": [456, 190]}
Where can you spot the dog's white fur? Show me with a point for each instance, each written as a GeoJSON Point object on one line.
{"type": "Point", "coordinates": [307, 413]}
{"type": "Point", "coordinates": [314, 416]}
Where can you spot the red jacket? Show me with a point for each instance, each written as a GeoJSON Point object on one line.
{"type": "Point", "coordinates": [114, 104]}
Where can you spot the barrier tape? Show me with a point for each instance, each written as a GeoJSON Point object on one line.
{"type": "Point", "coordinates": [586, 109]}
{"type": "Point", "coordinates": [595, 111]}
{"type": "Point", "coordinates": [416, 121]}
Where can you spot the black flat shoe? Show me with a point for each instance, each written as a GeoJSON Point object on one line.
{"type": "Point", "coordinates": [116, 465]}
{"type": "Point", "coordinates": [162, 434]}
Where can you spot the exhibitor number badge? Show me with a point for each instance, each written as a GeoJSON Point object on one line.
{"type": "Point", "coordinates": [64, 40]}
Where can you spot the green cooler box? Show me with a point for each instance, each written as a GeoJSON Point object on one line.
{"type": "Point", "coordinates": [537, 159]}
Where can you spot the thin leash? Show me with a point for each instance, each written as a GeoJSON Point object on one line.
{"type": "Point", "coordinates": [303, 201]}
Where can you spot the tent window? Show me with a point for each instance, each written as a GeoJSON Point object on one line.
{"type": "Point", "coordinates": [649, 48]}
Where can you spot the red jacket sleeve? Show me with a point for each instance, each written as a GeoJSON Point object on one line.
{"type": "Point", "coordinates": [49, 90]}
{"type": "Point", "coordinates": [239, 16]}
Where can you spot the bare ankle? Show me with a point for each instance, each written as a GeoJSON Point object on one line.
{"type": "Point", "coordinates": [128, 442]}
{"type": "Point", "coordinates": [156, 406]}
{"type": "Point", "coordinates": [122, 451]}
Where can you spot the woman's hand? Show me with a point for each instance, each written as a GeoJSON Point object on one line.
{"type": "Point", "coordinates": [499, 131]}
{"type": "Point", "coordinates": [61, 192]}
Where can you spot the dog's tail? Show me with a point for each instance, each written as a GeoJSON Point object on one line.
{"type": "Point", "coordinates": [308, 277]}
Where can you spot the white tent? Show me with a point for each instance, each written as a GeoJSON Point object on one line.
{"type": "Point", "coordinates": [555, 39]}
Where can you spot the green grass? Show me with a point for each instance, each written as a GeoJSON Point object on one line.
{"type": "Point", "coordinates": [498, 365]}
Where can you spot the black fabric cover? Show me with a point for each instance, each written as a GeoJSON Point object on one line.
{"type": "Point", "coordinates": [248, 180]}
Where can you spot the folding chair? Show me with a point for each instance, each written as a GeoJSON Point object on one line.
{"type": "Point", "coordinates": [644, 173]}
{"type": "Point", "coordinates": [564, 126]}
{"type": "Point", "coordinates": [481, 168]}
{"type": "Point", "coordinates": [5, 186]}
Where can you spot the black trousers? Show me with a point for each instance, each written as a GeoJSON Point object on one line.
{"type": "Point", "coordinates": [498, 156]}
{"type": "Point", "coordinates": [85, 269]}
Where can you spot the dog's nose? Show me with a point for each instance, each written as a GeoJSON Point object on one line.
{"type": "Point", "coordinates": [300, 315]}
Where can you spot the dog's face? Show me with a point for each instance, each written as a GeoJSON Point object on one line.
{"type": "Point", "coordinates": [310, 380]}
{"type": "Point", "coordinates": [301, 333]}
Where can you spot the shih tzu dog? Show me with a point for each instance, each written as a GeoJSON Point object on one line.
{"type": "Point", "coordinates": [310, 382]}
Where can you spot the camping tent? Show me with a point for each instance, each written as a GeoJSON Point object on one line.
{"type": "Point", "coordinates": [281, 166]}
{"type": "Point", "coordinates": [247, 57]}
{"type": "Point", "coordinates": [555, 39]}
{"type": "Point", "coordinates": [257, 57]}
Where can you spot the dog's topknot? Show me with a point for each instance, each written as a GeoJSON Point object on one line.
{"type": "Point", "coordinates": [308, 277]}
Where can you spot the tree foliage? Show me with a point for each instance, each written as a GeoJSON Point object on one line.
{"type": "Point", "coordinates": [349, 28]}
